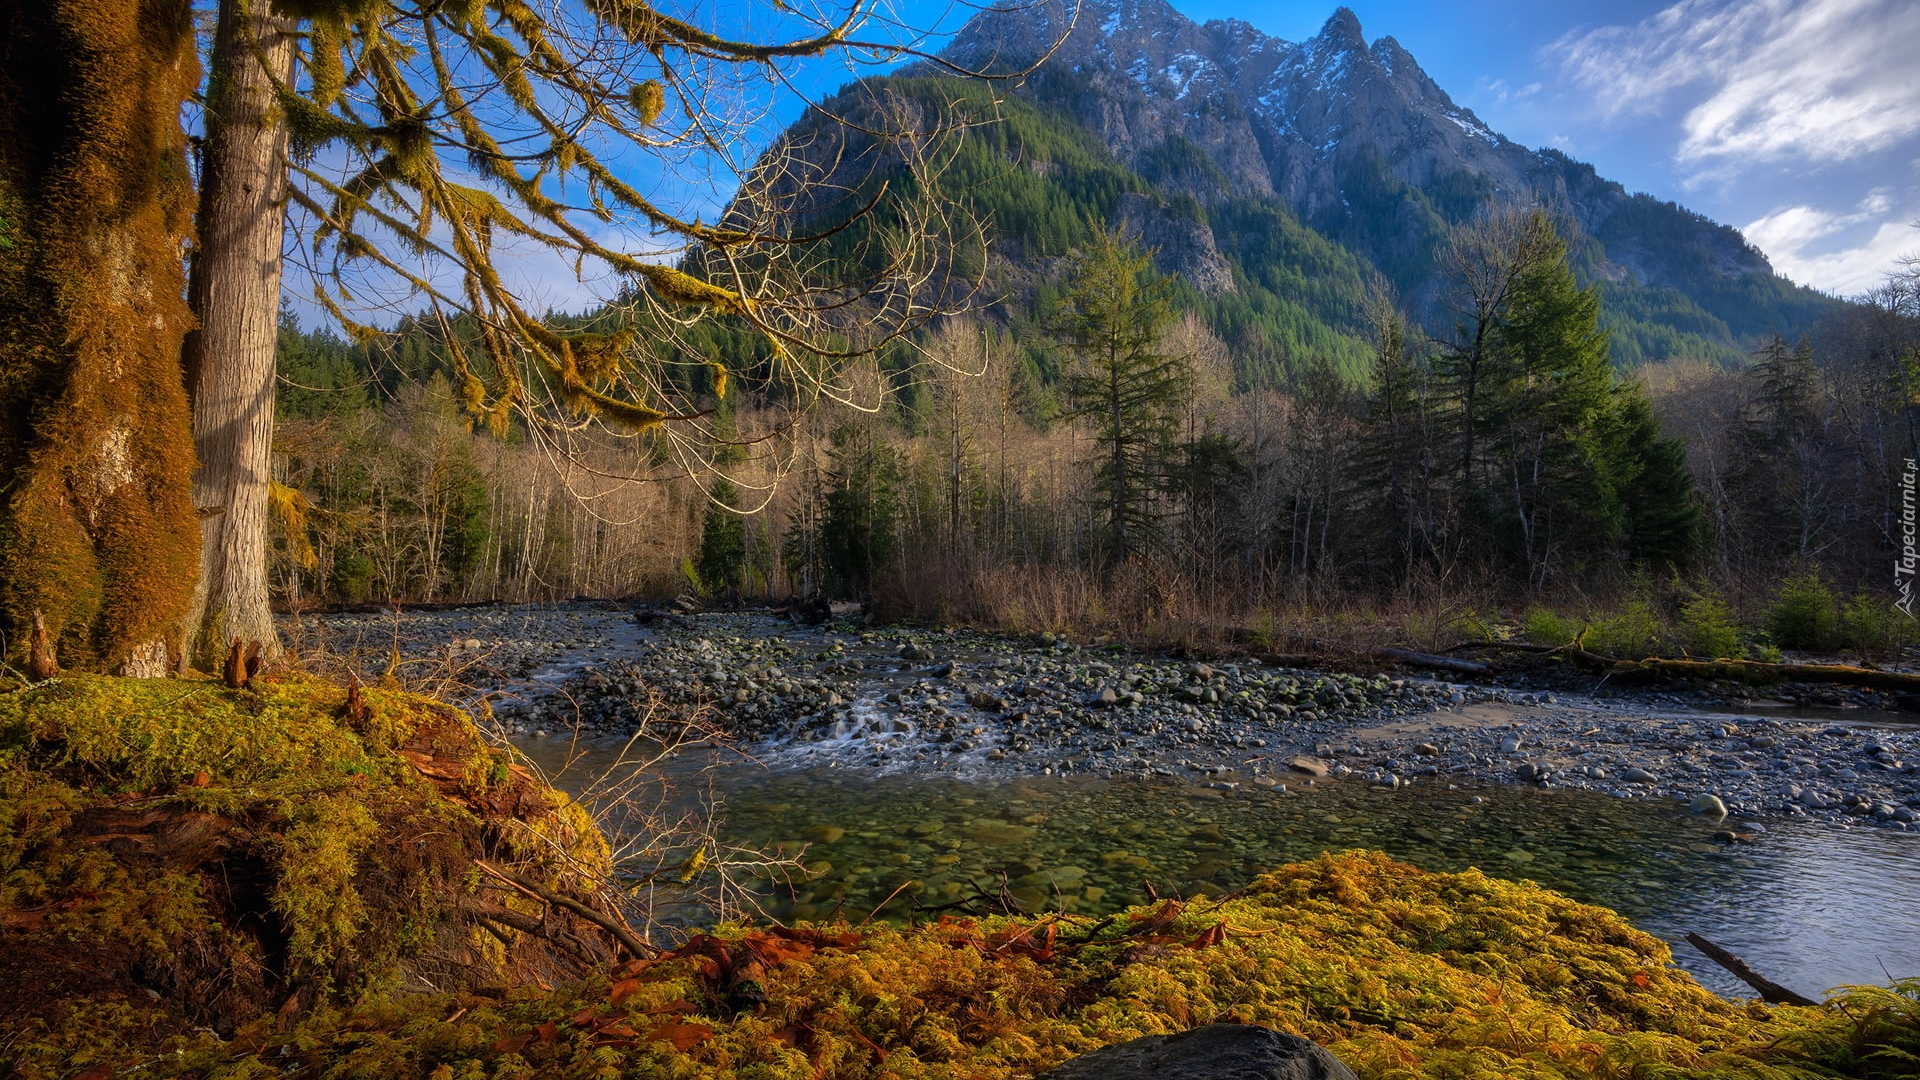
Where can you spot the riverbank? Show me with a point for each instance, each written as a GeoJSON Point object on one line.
{"type": "Point", "coordinates": [969, 705]}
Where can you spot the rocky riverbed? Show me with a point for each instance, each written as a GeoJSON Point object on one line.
{"type": "Point", "coordinates": [966, 705]}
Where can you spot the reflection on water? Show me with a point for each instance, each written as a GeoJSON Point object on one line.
{"type": "Point", "coordinates": [1808, 906]}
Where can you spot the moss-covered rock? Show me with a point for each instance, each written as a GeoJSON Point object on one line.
{"type": "Point", "coordinates": [1401, 973]}
{"type": "Point", "coordinates": [208, 855]}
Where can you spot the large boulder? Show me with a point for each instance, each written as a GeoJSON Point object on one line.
{"type": "Point", "coordinates": [1213, 1052]}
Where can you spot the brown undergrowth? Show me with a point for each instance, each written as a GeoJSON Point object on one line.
{"type": "Point", "coordinates": [1157, 603]}
{"type": "Point", "coordinates": [204, 856]}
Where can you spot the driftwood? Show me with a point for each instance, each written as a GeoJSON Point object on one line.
{"type": "Point", "coordinates": [1770, 992]}
{"type": "Point", "coordinates": [1431, 661]}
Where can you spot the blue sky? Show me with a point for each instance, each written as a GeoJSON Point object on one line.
{"type": "Point", "coordinates": [1796, 121]}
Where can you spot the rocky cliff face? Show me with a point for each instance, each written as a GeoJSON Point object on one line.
{"type": "Point", "coordinates": [1223, 111]}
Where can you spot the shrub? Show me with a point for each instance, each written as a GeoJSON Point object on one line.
{"type": "Point", "coordinates": [1872, 625]}
{"type": "Point", "coordinates": [1805, 614]}
{"type": "Point", "coordinates": [1708, 629]}
{"type": "Point", "coordinates": [1543, 627]}
{"type": "Point", "coordinates": [1635, 631]}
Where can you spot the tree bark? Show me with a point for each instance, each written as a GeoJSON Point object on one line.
{"type": "Point", "coordinates": [96, 529]}
{"type": "Point", "coordinates": [234, 289]}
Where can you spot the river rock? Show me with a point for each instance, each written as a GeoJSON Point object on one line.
{"type": "Point", "coordinates": [1312, 766]}
{"type": "Point", "coordinates": [1708, 806]}
{"type": "Point", "coordinates": [1212, 1052]}
{"type": "Point", "coordinates": [1637, 775]}
{"type": "Point", "coordinates": [997, 833]}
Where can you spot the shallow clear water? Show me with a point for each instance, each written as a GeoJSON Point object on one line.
{"type": "Point", "coordinates": [1809, 906]}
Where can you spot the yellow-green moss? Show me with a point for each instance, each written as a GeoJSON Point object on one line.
{"type": "Point", "coordinates": [230, 849]}
{"type": "Point", "coordinates": [1401, 973]}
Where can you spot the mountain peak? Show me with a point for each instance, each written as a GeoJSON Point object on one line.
{"type": "Point", "coordinates": [1352, 141]}
{"type": "Point", "coordinates": [1342, 28]}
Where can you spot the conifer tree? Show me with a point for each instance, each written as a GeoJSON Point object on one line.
{"type": "Point", "coordinates": [1112, 321]}
{"type": "Point", "coordinates": [860, 526]}
{"type": "Point", "coordinates": [1398, 456]}
{"type": "Point", "coordinates": [1547, 408]}
{"type": "Point", "coordinates": [1784, 475]}
{"type": "Point", "coordinates": [1663, 520]}
{"type": "Point", "coordinates": [1563, 471]}
{"type": "Point", "coordinates": [722, 564]}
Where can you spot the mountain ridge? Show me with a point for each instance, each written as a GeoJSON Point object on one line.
{"type": "Point", "coordinates": [1224, 134]}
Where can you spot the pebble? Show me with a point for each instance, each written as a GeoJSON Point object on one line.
{"type": "Point", "coordinates": [1708, 805]}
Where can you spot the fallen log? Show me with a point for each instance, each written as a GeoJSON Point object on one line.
{"type": "Point", "coordinates": [1747, 671]}
{"type": "Point", "coordinates": [1504, 646]}
{"type": "Point", "coordinates": [1431, 661]}
{"type": "Point", "coordinates": [1770, 992]}
{"type": "Point", "coordinates": [1760, 671]}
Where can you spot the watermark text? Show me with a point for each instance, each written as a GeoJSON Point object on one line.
{"type": "Point", "coordinates": [1909, 561]}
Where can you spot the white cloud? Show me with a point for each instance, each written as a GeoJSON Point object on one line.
{"type": "Point", "coordinates": [1499, 92]}
{"type": "Point", "coordinates": [1821, 80]}
{"type": "Point", "coordinates": [1801, 242]}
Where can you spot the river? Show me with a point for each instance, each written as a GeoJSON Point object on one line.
{"type": "Point", "coordinates": [1810, 903]}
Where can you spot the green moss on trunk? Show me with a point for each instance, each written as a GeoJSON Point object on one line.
{"type": "Point", "coordinates": [97, 530]}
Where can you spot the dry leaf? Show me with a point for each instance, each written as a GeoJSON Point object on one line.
{"type": "Point", "coordinates": [512, 1045]}
{"type": "Point", "coordinates": [681, 1036]}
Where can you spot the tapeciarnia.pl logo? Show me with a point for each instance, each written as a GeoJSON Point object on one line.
{"type": "Point", "coordinates": [1909, 561]}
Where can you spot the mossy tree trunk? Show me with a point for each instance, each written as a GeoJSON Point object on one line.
{"type": "Point", "coordinates": [235, 292]}
{"type": "Point", "coordinates": [97, 530]}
